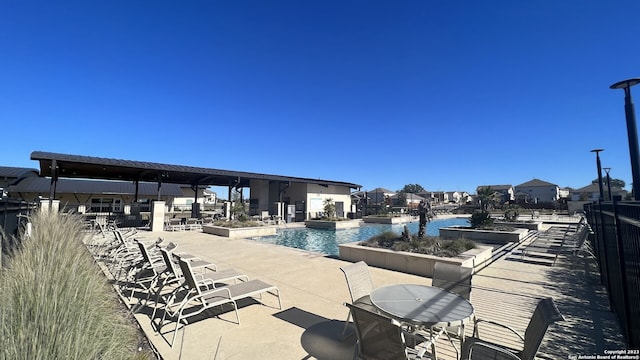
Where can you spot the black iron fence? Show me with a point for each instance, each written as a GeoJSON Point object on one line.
{"type": "Point", "coordinates": [13, 219]}
{"type": "Point", "coordinates": [119, 220]}
{"type": "Point", "coordinates": [616, 243]}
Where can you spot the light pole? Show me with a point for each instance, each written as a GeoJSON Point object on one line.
{"type": "Point", "coordinates": [606, 170]}
{"type": "Point", "coordinates": [632, 131]}
{"type": "Point", "coordinates": [597, 151]}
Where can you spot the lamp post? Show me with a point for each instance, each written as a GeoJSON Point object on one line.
{"type": "Point", "coordinates": [632, 131]}
{"type": "Point", "coordinates": [597, 151]}
{"type": "Point", "coordinates": [606, 170]}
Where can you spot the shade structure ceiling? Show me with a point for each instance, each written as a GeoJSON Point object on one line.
{"type": "Point", "coordinates": [89, 167]}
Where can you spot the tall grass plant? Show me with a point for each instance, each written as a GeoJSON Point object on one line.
{"type": "Point", "coordinates": [55, 302]}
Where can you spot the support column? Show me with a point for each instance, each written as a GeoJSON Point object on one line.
{"type": "Point", "coordinates": [50, 205]}
{"type": "Point", "coordinates": [226, 210]}
{"type": "Point", "coordinates": [157, 215]}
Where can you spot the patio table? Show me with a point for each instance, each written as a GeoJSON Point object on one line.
{"type": "Point", "coordinates": [425, 307]}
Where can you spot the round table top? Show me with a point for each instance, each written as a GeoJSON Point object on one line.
{"type": "Point", "coordinates": [422, 305]}
{"type": "Point", "coordinates": [324, 341]}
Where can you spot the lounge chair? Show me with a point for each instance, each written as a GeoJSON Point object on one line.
{"type": "Point", "coordinates": [176, 279]}
{"type": "Point", "coordinates": [580, 242]}
{"type": "Point", "coordinates": [545, 314]}
{"type": "Point", "coordinates": [360, 284]}
{"type": "Point", "coordinates": [551, 246]}
{"type": "Point", "coordinates": [150, 270]}
{"type": "Point", "coordinates": [381, 337]}
{"type": "Point", "coordinates": [198, 300]}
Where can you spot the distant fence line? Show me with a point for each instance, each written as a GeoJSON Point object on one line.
{"type": "Point", "coordinates": [616, 243]}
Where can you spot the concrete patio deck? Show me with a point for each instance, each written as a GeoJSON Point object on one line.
{"type": "Point", "coordinates": [313, 290]}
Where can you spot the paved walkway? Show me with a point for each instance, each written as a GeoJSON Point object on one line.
{"type": "Point", "coordinates": [313, 291]}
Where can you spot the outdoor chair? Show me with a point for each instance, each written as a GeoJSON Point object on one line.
{"type": "Point", "coordinates": [545, 314]}
{"type": "Point", "coordinates": [382, 338]}
{"type": "Point", "coordinates": [456, 279]}
{"type": "Point", "coordinates": [150, 270]}
{"type": "Point", "coordinates": [175, 224]}
{"type": "Point", "coordinates": [453, 278]}
{"type": "Point", "coordinates": [580, 242]}
{"type": "Point", "coordinates": [360, 284]}
{"type": "Point", "coordinates": [197, 300]}
{"type": "Point", "coordinates": [176, 279]}
{"type": "Point", "coordinates": [551, 246]}
{"type": "Point", "coordinates": [194, 224]}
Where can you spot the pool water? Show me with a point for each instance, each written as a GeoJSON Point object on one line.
{"type": "Point", "coordinates": [326, 241]}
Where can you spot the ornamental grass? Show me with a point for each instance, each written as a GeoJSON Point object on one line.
{"type": "Point", "coordinates": [56, 303]}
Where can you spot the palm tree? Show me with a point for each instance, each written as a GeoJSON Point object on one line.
{"type": "Point", "coordinates": [488, 198]}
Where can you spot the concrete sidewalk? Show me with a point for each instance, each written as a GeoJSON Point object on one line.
{"type": "Point", "coordinates": [313, 290]}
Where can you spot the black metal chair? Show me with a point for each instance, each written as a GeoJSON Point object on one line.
{"type": "Point", "coordinates": [381, 337]}
{"type": "Point", "coordinates": [545, 314]}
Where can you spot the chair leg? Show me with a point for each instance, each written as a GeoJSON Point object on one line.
{"type": "Point", "coordinates": [346, 324]}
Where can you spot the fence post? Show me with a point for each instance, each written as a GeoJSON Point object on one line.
{"type": "Point", "coordinates": [623, 274]}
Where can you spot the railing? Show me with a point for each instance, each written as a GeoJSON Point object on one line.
{"type": "Point", "coordinates": [616, 243]}
{"type": "Point", "coordinates": [119, 220]}
{"type": "Point", "coordinates": [13, 218]}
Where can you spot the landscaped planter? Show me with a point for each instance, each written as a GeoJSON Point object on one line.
{"type": "Point", "coordinates": [411, 263]}
{"type": "Point", "coordinates": [331, 225]}
{"type": "Point", "coordinates": [485, 236]}
{"type": "Point", "coordinates": [246, 232]}
{"type": "Point", "coordinates": [387, 219]}
{"type": "Point", "coordinates": [533, 225]}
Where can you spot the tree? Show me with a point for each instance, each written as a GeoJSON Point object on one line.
{"type": "Point", "coordinates": [488, 198]}
{"type": "Point", "coordinates": [615, 183]}
{"type": "Point", "coordinates": [238, 209]}
{"type": "Point", "coordinates": [329, 208]}
{"type": "Point", "coordinates": [402, 199]}
{"type": "Point", "coordinates": [412, 188]}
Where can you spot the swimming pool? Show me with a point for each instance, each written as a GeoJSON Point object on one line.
{"type": "Point", "coordinates": [326, 241]}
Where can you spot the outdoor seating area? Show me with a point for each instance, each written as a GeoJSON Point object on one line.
{"type": "Point", "coordinates": [154, 278]}
{"type": "Point", "coordinates": [425, 317]}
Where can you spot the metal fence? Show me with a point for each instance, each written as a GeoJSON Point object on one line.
{"type": "Point", "coordinates": [616, 243]}
{"type": "Point", "coordinates": [13, 218]}
{"type": "Point", "coordinates": [119, 220]}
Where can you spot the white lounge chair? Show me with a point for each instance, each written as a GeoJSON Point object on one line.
{"type": "Point", "coordinates": [198, 300]}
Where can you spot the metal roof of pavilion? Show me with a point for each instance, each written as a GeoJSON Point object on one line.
{"type": "Point", "coordinates": [88, 167]}
{"type": "Point", "coordinates": [73, 186]}
{"type": "Point", "coordinates": [15, 172]}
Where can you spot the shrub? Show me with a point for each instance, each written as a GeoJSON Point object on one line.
{"type": "Point", "coordinates": [511, 212]}
{"type": "Point", "coordinates": [234, 224]}
{"type": "Point", "coordinates": [431, 245]}
{"type": "Point", "coordinates": [481, 219]}
{"type": "Point", "coordinates": [56, 304]}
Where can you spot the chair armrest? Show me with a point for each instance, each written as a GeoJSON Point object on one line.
{"type": "Point", "coordinates": [478, 321]}
{"type": "Point", "coordinates": [491, 347]}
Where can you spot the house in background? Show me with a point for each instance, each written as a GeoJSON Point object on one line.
{"type": "Point", "coordinates": [411, 200]}
{"type": "Point", "coordinates": [430, 197]}
{"type": "Point", "coordinates": [376, 196]}
{"type": "Point", "coordinates": [446, 197]}
{"type": "Point", "coordinates": [591, 193]}
{"type": "Point", "coordinates": [185, 202]}
{"type": "Point", "coordinates": [538, 191]}
{"type": "Point", "coordinates": [507, 191]}
{"type": "Point", "coordinates": [209, 196]}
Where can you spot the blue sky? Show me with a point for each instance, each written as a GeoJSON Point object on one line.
{"type": "Point", "coordinates": [446, 94]}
